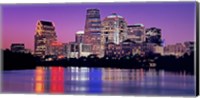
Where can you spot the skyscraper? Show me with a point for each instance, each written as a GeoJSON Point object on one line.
{"type": "Point", "coordinates": [44, 36]}
{"type": "Point", "coordinates": [153, 35]}
{"type": "Point", "coordinates": [136, 33]}
{"type": "Point", "coordinates": [93, 30]}
{"type": "Point", "coordinates": [114, 30]}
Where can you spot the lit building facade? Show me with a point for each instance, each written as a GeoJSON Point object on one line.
{"type": "Point", "coordinates": [114, 30]}
{"type": "Point", "coordinates": [44, 36]}
{"type": "Point", "coordinates": [113, 50]}
{"type": "Point", "coordinates": [85, 50]}
{"type": "Point", "coordinates": [79, 37]}
{"type": "Point", "coordinates": [179, 49]}
{"type": "Point", "coordinates": [17, 47]}
{"type": "Point", "coordinates": [136, 33]}
{"type": "Point", "coordinates": [93, 30]}
{"type": "Point", "coordinates": [153, 35]}
{"type": "Point", "coordinates": [77, 50]}
{"type": "Point", "coordinates": [147, 48]}
{"type": "Point", "coordinates": [72, 50]}
{"type": "Point", "coordinates": [125, 48]}
{"type": "Point", "coordinates": [57, 49]}
{"type": "Point", "coordinates": [176, 50]}
{"type": "Point", "coordinates": [159, 49]}
{"type": "Point", "coordinates": [128, 46]}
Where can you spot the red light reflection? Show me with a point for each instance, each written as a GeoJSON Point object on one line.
{"type": "Point", "coordinates": [57, 80]}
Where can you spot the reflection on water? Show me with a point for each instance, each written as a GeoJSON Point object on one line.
{"type": "Point", "coordinates": [39, 80]}
{"type": "Point", "coordinates": [97, 81]}
{"type": "Point", "coordinates": [122, 74]}
{"type": "Point", "coordinates": [57, 80]}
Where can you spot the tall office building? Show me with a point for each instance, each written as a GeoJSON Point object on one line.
{"type": "Point", "coordinates": [136, 33]}
{"type": "Point", "coordinates": [114, 30]}
{"type": "Point", "coordinates": [93, 30]}
{"type": "Point", "coordinates": [153, 35]}
{"type": "Point", "coordinates": [44, 36]}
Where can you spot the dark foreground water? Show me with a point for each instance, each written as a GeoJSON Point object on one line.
{"type": "Point", "coordinates": [74, 80]}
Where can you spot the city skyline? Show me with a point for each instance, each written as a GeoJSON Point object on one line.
{"type": "Point", "coordinates": [149, 14]}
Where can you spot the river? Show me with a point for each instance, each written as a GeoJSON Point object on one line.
{"type": "Point", "coordinates": [106, 81]}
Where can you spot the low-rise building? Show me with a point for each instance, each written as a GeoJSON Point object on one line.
{"type": "Point", "coordinates": [189, 45]}
{"type": "Point", "coordinates": [57, 49]}
{"type": "Point", "coordinates": [113, 50]}
{"type": "Point", "coordinates": [72, 50]}
{"type": "Point", "coordinates": [136, 33]}
{"type": "Point", "coordinates": [77, 50]}
{"type": "Point", "coordinates": [177, 50]}
{"type": "Point", "coordinates": [128, 48]}
{"type": "Point", "coordinates": [85, 50]}
{"type": "Point", "coordinates": [159, 49]}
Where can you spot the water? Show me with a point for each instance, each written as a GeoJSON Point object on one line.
{"type": "Point", "coordinates": [74, 80]}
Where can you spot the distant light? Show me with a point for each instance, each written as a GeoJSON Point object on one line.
{"type": "Point", "coordinates": [80, 32]}
{"type": "Point", "coordinates": [60, 57]}
{"type": "Point", "coordinates": [49, 59]}
{"type": "Point", "coordinates": [56, 43]}
{"type": "Point", "coordinates": [127, 57]}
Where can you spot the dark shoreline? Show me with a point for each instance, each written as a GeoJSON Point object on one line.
{"type": "Point", "coordinates": [20, 61]}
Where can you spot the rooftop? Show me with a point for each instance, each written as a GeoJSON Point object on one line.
{"type": "Point", "coordinates": [136, 25]}
{"type": "Point", "coordinates": [80, 32]}
{"type": "Point", "coordinates": [92, 9]}
{"type": "Point", "coordinates": [16, 44]}
{"type": "Point", "coordinates": [47, 23]}
{"type": "Point", "coordinates": [114, 15]}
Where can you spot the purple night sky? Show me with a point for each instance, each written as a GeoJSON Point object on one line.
{"type": "Point", "coordinates": [177, 20]}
